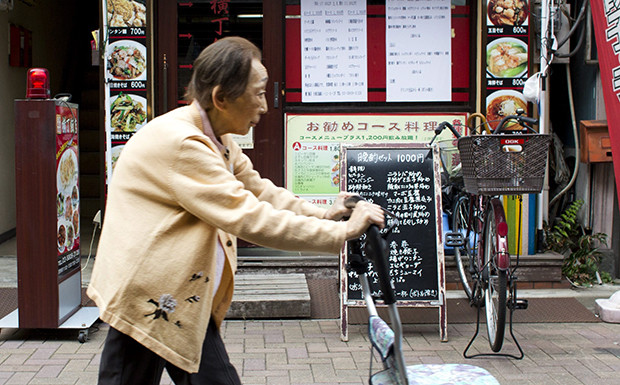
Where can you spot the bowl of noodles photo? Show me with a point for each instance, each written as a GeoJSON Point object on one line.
{"type": "Point", "coordinates": [507, 58]}
{"type": "Point", "coordinates": [126, 60]}
{"type": "Point", "coordinates": [503, 103]}
{"type": "Point", "coordinates": [507, 12]}
{"type": "Point", "coordinates": [127, 112]}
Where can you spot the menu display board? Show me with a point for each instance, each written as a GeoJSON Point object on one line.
{"type": "Point", "coordinates": [418, 52]}
{"type": "Point", "coordinates": [507, 69]}
{"type": "Point", "coordinates": [454, 68]}
{"type": "Point", "coordinates": [405, 181]}
{"type": "Point", "coordinates": [334, 54]}
{"type": "Point", "coordinates": [126, 74]}
{"type": "Point", "coordinates": [507, 58]}
{"type": "Point", "coordinates": [313, 145]}
{"type": "Point", "coordinates": [67, 189]}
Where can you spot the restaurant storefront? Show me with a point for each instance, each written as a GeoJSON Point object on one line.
{"type": "Point", "coordinates": [341, 72]}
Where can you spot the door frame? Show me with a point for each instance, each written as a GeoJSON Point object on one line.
{"type": "Point", "coordinates": [268, 153]}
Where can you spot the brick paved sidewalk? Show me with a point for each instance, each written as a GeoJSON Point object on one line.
{"type": "Point", "coordinates": [309, 352]}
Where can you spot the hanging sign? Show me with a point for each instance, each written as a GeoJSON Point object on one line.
{"type": "Point", "coordinates": [606, 21]}
{"type": "Point", "coordinates": [507, 58]}
{"type": "Point", "coordinates": [125, 74]}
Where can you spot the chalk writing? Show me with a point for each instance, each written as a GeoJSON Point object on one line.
{"type": "Point", "coordinates": [400, 179]}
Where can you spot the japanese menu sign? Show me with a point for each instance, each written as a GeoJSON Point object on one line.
{"type": "Point", "coordinates": [334, 57]}
{"type": "Point", "coordinates": [507, 57]}
{"type": "Point", "coordinates": [403, 179]}
{"type": "Point", "coordinates": [67, 188]}
{"type": "Point", "coordinates": [125, 74]}
{"type": "Point", "coordinates": [418, 50]}
{"type": "Point", "coordinates": [313, 143]}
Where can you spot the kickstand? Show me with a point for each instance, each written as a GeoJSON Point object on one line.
{"type": "Point", "coordinates": [512, 304]}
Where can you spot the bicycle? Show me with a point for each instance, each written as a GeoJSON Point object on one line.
{"type": "Point", "coordinates": [501, 163]}
{"type": "Point", "coordinates": [387, 342]}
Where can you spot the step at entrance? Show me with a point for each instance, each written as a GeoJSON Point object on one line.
{"type": "Point", "coordinates": [270, 296]}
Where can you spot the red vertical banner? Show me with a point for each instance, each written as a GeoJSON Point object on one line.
{"type": "Point", "coordinates": [606, 21]}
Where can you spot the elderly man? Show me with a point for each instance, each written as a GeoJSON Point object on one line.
{"type": "Point", "coordinates": [182, 191]}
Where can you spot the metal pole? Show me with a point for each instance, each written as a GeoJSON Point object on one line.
{"type": "Point", "coordinates": [546, 36]}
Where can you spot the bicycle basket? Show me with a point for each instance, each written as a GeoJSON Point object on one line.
{"type": "Point", "coordinates": [504, 164]}
{"type": "Point", "coordinates": [450, 158]}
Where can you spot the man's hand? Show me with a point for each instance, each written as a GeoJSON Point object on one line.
{"type": "Point", "coordinates": [338, 210]}
{"type": "Point", "coordinates": [364, 215]}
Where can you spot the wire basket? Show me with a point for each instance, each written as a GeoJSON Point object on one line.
{"type": "Point", "coordinates": [450, 157]}
{"type": "Point", "coordinates": [504, 164]}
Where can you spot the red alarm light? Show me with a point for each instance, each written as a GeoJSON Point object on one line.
{"type": "Point", "coordinates": [38, 84]}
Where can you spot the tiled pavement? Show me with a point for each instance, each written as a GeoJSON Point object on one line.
{"type": "Point", "coordinates": [308, 352]}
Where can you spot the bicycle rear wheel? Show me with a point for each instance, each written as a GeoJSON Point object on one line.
{"type": "Point", "coordinates": [464, 255]}
{"type": "Point", "coordinates": [496, 280]}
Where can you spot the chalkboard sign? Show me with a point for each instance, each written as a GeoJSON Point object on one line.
{"type": "Point", "coordinates": [404, 180]}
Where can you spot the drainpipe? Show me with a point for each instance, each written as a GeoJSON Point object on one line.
{"type": "Point", "coordinates": [546, 38]}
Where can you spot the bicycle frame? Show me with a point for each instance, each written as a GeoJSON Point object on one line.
{"type": "Point", "coordinates": [477, 209]}
{"type": "Point", "coordinates": [478, 214]}
{"type": "Point", "coordinates": [502, 256]}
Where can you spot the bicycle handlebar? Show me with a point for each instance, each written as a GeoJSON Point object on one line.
{"type": "Point", "coordinates": [351, 201]}
{"type": "Point", "coordinates": [442, 127]}
{"type": "Point", "coordinates": [523, 121]}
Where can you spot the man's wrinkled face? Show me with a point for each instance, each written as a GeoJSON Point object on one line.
{"type": "Point", "coordinates": [245, 111]}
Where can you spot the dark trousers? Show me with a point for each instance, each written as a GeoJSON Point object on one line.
{"type": "Point", "coordinates": [124, 361]}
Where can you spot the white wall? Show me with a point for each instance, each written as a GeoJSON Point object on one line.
{"type": "Point", "coordinates": [51, 23]}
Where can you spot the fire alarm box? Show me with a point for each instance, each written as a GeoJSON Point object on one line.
{"type": "Point", "coordinates": [594, 142]}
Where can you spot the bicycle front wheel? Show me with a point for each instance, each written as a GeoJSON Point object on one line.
{"type": "Point", "coordinates": [496, 280]}
{"type": "Point", "coordinates": [464, 256]}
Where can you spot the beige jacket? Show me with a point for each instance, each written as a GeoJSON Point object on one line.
{"type": "Point", "coordinates": [172, 196]}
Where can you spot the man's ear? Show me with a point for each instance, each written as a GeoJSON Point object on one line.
{"type": "Point", "coordinates": [217, 96]}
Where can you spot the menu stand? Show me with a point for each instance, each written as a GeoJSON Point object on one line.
{"type": "Point", "coordinates": [49, 280]}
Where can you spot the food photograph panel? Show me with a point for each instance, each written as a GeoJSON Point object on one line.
{"type": "Point", "coordinates": [127, 112]}
{"type": "Point", "coordinates": [507, 57]}
{"type": "Point", "coordinates": [126, 60]}
{"type": "Point", "coordinates": [67, 201]}
{"type": "Point", "coordinates": [503, 103]}
{"type": "Point", "coordinates": [126, 13]}
{"type": "Point", "coordinates": [507, 12]}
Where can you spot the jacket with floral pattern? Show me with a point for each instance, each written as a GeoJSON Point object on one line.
{"type": "Point", "coordinates": [173, 194]}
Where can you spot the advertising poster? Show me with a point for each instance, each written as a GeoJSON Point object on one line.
{"type": "Point", "coordinates": [507, 58]}
{"type": "Point", "coordinates": [125, 75]}
{"type": "Point", "coordinates": [313, 145]}
{"type": "Point", "coordinates": [67, 189]}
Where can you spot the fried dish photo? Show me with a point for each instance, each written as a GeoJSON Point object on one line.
{"type": "Point", "coordinates": [507, 12]}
